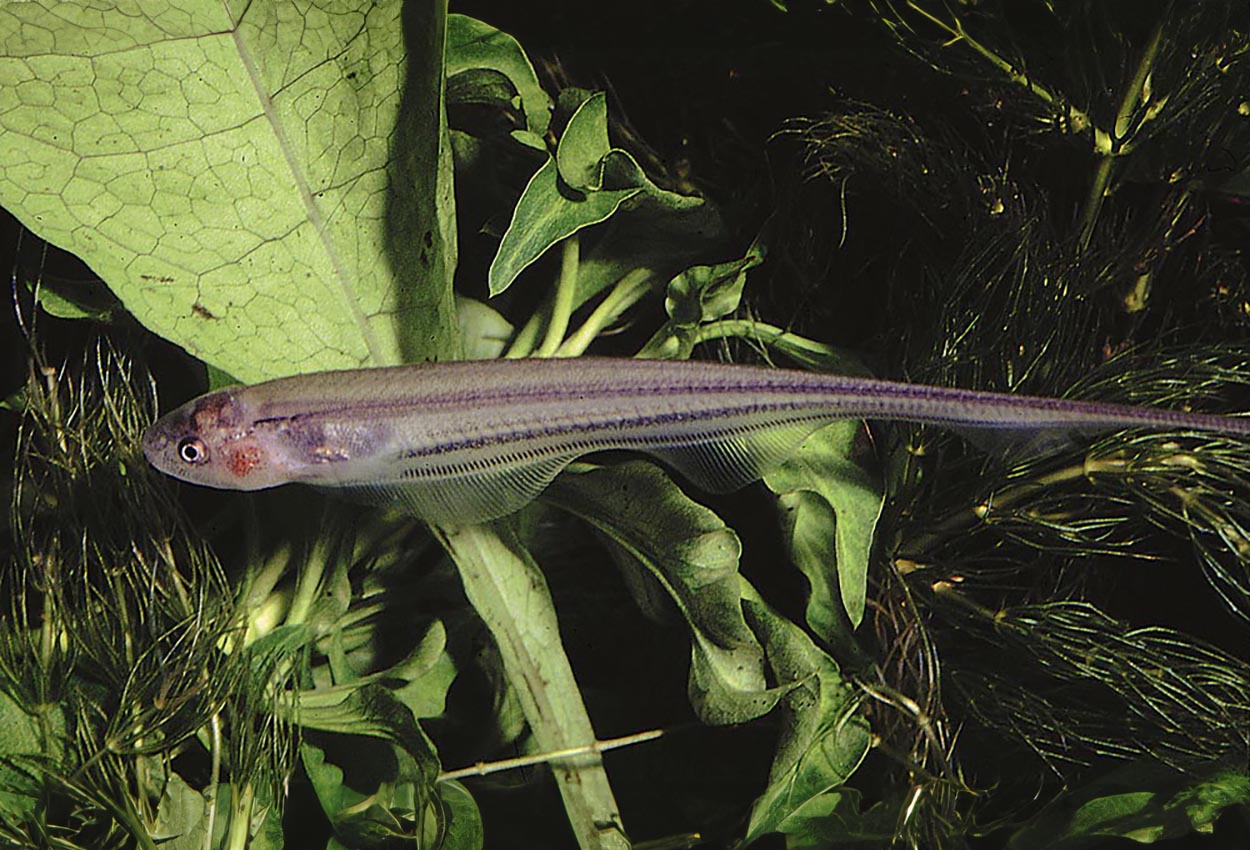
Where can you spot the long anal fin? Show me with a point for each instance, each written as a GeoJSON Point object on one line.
{"type": "Point", "coordinates": [459, 495]}
{"type": "Point", "coordinates": [464, 496]}
{"type": "Point", "coordinates": [1023, 443]}
{"type": "Point", "coordinates": [728, 462]}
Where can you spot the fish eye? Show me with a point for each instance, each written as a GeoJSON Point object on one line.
{"type": "Point", "coordinates": [192, 450]}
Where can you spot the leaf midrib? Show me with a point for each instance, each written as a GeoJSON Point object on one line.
{"type": "Point", "coordinates": [318, 221]}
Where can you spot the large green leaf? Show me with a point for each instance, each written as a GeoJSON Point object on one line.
{"type": "Point", "coordinates": [694, 556]}
{"type": "Point", "coordinates": [830, 505]}
{"type": "Point", "coordinates": [507, 589]}
{"type": "Point", "coordinates": [1143, 801]}
{"type": "Point", "coordinates": [31, 739]}
{"type": "Point", "coordinates": [474, 45]}
{"type": "Point", "coordinates": [374, 777]}
{"type": "Point", "coordinates": [824, 737]}
{"type": "Point", "coordinates": [266, 186]}
{"type": "Point", "coordinates": [584, 184]}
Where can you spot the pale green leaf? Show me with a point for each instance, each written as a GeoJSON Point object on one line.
{"type": "Point", "coordinates": [420, 681]}
{"type": "Point", "coordinates": [483, 329]}
{"type": "Point", "coordinates": [75, 300]}
{"type": "Point", "coordinates": [836, 819]}
{"type": "Point", "coordinates": [182, 816]}
{"type": "Point", "coordinates": [23, 747]}
{"type": "Point", "coordinates": [464, 821]}
{"type": "Point", "coordinates": [507, 589]}
{"type": "Point", "coordinates": [586, 183]}
{"type": "Point", "coordinates": [543, 216]}
{"type": "Point", "coordinates": [1143, 801]}
{"type": "Point", "coordinates": [61, 307]}
{"type": "Point", "coordinates": [258, 188]}
{"type": "Point", "coordinates": [427, 674]}
{"type": "Point", "coordinates": [830, 506]}
{"type": "Point", "coordinates": [694, 557]}
{"type": "Point", "coordinates": [472, 44]}
{"type": "Point", "coordinates": [824, 737]}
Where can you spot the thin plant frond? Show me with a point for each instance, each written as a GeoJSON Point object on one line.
{"type": "Point", "coordinates": [120, 627]}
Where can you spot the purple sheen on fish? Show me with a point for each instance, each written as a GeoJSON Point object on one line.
{"type": "Point", "coordinates": [470, 441]}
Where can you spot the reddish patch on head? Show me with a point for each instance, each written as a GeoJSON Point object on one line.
{"type": "Point", "coordinates": [214, 411]}
{"type": "Point", "coordinates": [244, 458]}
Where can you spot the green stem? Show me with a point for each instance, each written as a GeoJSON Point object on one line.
{"type": "Point", "coordinates": [957, 33]}
{"type": "Point", "coordinates": [1137, 89]}
{"type": "Point", "coordinates": [483, 768]}
{"type": "Point", "coordinates": [309, 583]}
{"type": "Point", "coordinates": [240, 819]}
{"type": "Point", "coordinates": [509, 593]}
{"type": "Point", "coordinates": [759, 332]}
{"type": "Point", "coordinates": [214, 780]}
{"type": "Point", "coordinates": [627, 292]}
{"type": "Point", "coordinates": [917, 549]}
{"type": "Point", "coordinates": [566, 290]}
{"type": "Point", "coordinates": [1120, 139]}
{"type": "Point", "coordinates": [1093, 202]}
{"type": "Point", "coordinates": [261, 583]}
{"type": "Point", "coordinates": [527, 338]}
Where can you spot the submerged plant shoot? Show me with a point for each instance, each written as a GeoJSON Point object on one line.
{"type": "Point", "coordinates": [562, 597]}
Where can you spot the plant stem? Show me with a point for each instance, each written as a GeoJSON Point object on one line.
{"type": "Point", "coordinates": [1108, 143]}
{"type": "Point", "coordinates": [240, 819]}
{"type": "Point", "coordinates": [1120, 137]}
{"type": "Point", "coordinates": [483, 768]}
{"type": "Point", "coordinates": [214, 780]}
{"type": "Point", "coordinates": [759, 332]}
{"type": "Point", "coordinates": [958, 33]}
{"type": "Point", "coordinates": [314, 567]}
{"type": "Point", "coordinates": [965, 518]}
{"type": "Point", "coordinates": [526, 338]}
{"type": "Point", "coordinates": [508, 591]}
{"type": "Point", "coordinates": [627, 292]}
{"type": "Point", "coordinates": [1093, 202]}
{"type": "Point", "coordinates": [260, 583]}
{"type": "Point", "coordinates": [566, 289]}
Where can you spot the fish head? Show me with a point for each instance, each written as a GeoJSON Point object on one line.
{"type": "Point", "coordinates": [211, 441]}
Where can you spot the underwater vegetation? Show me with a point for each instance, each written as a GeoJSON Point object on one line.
{"type": "Point", "coordinates": [901, 637]}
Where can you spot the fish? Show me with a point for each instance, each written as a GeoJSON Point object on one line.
{"type": "Point", "coordinates": [470, 441]}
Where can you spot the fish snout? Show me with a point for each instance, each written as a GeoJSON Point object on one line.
{"type": "Point", "coordinates": [161, 439]}
{"type": "Point", "coordinates": [155, 443]}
